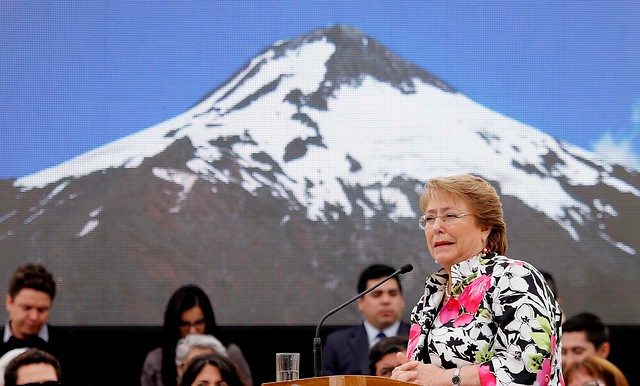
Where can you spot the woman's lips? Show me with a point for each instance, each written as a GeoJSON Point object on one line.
{"type": "Point", "coordinates": [442, 243]}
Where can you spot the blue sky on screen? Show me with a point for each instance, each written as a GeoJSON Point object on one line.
{"type": "Point", "coordinates": [77, 75]}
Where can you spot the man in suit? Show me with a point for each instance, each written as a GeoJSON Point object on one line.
{"type": "Point", "coordinates": [28, 303]}
{"type": "Point", "coordinates": [346, 351]}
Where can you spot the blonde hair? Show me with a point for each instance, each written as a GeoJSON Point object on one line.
{"type": "Point", "coordinates": [483, 199]}
{"type": "Point", "coordinates": [599, 368]}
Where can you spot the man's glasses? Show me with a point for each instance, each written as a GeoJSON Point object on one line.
{"type": "Point", "coordinates": [427, 221]}
{"type": "Point", "coordinates": [47, 383]}
{"type": "Point", "coordinates": [185, 326]}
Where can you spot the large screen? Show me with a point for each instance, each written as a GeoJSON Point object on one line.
{"type": "Point", "coordinates": [270, 151]}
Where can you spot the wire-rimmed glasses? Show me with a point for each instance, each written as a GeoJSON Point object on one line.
{"type": "Point", "coordinates": [428, 220]}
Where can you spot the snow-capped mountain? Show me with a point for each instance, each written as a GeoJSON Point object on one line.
{"type": "Point", "coordinates": [311, 159]}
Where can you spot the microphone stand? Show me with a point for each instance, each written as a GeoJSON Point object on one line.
{"type": "Point", "coordinates": [317, 342]}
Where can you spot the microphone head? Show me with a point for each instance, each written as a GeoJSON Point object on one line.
{"type": "Point", "coordinates": [406, 268]}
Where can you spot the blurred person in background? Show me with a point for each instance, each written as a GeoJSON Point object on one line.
{"type": "Point", "coordinates": [6, 358]}
{"type": "Point", "coordinates": [33, 367]}
{"type": "Point", "coordinates": [193, 345]}
{"type": "Point", "coordinates": [29, 301]}
{"type": "Point", "coordinates": [346, 351]}
{"type": "Point", "coordinates": [382, 356]}
{"type": "Point", "coordinates": [189, 311]}
{"type": "Point", "coordinates": [209, 370]}
{"type": "Point", "coordinates": [583, 335]}
{"type": "Point", "coordinates": [594, 371]}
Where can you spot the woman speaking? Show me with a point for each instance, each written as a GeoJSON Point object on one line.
{"type": "Point", "coordinates": [484, 319]}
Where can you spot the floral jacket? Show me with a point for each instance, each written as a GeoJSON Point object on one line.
{"type": "Point", "coordinates": [501, 315]}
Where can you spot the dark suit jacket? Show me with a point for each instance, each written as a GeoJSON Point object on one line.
{"type": "Point", "coordinates": [346, 351]}
{"type": "Point", "coordinates": [63, 345]}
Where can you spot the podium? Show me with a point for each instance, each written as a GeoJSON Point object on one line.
{"type": "Point", "coordinates": [342, 380]}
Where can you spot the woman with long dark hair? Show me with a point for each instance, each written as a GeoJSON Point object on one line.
{"type": "Point", "coordinates": [189, 312]}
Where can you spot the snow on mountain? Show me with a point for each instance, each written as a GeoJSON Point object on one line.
{"type": "Point", "coordinates": [366, 132]}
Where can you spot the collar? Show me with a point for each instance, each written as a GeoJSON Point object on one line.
{"type": "Point", "coordinates": [372, 332]}
{"type": "Point", "coordinates": [461, 273]}
{"type": "Point", "coordinates": [42, 334]}
{"type": "Point", "coordinates": [467, 270]}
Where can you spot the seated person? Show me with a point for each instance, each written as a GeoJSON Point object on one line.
{"type": "Point", "coordinates": [582, 335]}
{"type": "Point", "coordinates": [594, 371]}
{"type": "Point", "coordinates": [551, 282]}
{"type": "Point", "coordinates": [32, 367]}
{"type": "Point", "coordinates": [210, 369]}
{"type": "Point", "coordinates": [189, 312]}
{"type": "Point", "coordinates": [346, 351]}
{"type": "Point", "coordinates": [383, 355]}
{"type": "Point", "coordinates": [193, 345]}
{"type": "Point", "coordinates": [6, 358]}
{"type": "Point", "coordinates": [29, 302]}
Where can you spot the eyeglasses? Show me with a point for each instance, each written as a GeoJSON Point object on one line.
{"type": "Point", "coordinates": [47, 383]}
{"type": "Point", "coordinates": [186, 326]}
{"type": "Point", "coordinates": [593, 383]}
{"type": "Point", "coordinates": [428, 221]}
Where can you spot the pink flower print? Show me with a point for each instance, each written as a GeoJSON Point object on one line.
{"type": "Point", "coordinates": [472, 295]}
{"type": "Point", "coordinates": [450, 311]}
{"type": "Point", "coordinates": [544, 375]}
{"type": "Point", "coordinates": [463, 320]}
{"type": "Point", "coordinates": [486, 376]}
{"type": "Point", "coordinates": [520, 263]}
{"type": "Point", "coordinates": [414, 337]}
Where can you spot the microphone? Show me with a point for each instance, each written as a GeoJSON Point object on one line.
{"type": "Point", "coordinates": [317, 342]}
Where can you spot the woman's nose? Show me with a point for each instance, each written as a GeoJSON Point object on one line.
{"type": "Point", "coordinates": [437, 224]}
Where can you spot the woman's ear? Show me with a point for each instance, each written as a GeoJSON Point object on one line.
{"type": "Point", "coordinates": [484, 233]}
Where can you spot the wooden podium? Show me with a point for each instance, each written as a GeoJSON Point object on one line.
{"type": "Point", "coordinates": [342, 380]}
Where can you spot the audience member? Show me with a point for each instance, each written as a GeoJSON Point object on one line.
{"type": "Point", "coordinates": [548, 277]}
{"type": "Point", "coordinates": [594, 371]}
{"type": "Point", "coordinates": [210, 369]}
{"type": "Point", "coordinates": [193, 345]}
{"type": "Point", "coordinates": [582, 335]}
{"type": "Point", "coordinates": [383, 355]}
{"type": "Point", "coordinates": [189, 312]}
{"type": "Point", "coordinates": [346, 351]}
{"type": "Point", "coordinates": [6, 358]}
{"type": "Point", "coordinates": [33, 367]}
{"type": "Point", "coordinates": [31, 293]}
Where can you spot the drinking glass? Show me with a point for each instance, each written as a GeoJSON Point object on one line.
{"type": "Point", "coordinates": [287, 366]}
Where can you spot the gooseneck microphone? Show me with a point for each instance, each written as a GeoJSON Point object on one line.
{"type": "Point", "coordinates": [317, 342]}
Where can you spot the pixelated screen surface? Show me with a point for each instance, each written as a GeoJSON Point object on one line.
{"type": "Point", "coordinates": [268, 152]}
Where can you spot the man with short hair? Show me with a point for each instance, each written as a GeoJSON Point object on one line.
{"type": "Point", "coordinates": [346, 351]}
{"type": "Point", "coordinates": [582, 335]}
{"type": "Point", "coordinates": [33, 367]}
{"type": "Point", "coordinates": [383, 356]}
{"type": "Point", "coordinates": [31, 293]}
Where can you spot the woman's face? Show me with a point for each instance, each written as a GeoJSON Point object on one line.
{"type": "Point", "coordinates": [209, 376]}
{"type": "Point", "coordinates": [451, 244]}
{"type": "Point", "coordinates": [192, 322]}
